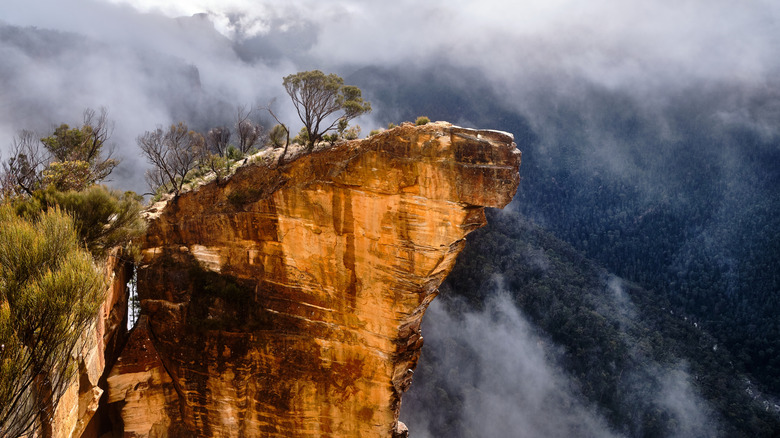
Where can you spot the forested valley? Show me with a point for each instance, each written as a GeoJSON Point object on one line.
{"type": "Point", "coordinates": [676, 199]}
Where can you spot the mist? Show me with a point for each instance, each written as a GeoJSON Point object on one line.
{"type": "Point", "coordinates": [494, 373]}
{"type": "Point", "coordinates": [154, 62]}
{"type": "Point", "coordinates": [506, 374]}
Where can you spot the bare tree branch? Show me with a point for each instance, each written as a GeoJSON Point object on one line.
{"type": "Point", "coordinates": [173, 153]}
{"type": "Point", "coordinates": [249, 132]}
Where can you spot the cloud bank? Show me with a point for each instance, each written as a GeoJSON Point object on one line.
{"type": "Point", "coordinates": [495, 375]}
{"type": "Point", "coordinates": [154, 62]}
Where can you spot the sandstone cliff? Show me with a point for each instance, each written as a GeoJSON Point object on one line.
{"type": "Point", "coordinates": [75, 413]}
{"type": "Point", "coordinates": [287, 301]}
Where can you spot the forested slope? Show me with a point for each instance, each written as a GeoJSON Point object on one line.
{"type": "Point", "coordinates": [623, 350]}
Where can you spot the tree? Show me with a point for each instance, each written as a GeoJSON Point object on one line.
{"type": "Point", "coordinates": [50, 292]}
{"type": "Point", "coordinates": [218, 140]}
{"type": "Point", "coordinates": [22, 173]}
{"type": "Point", "coordinates": [248, 132]}
{"type": "Point", "coordinates": [80, 152]}
{"type": "Point", "coordinates": [70, 159]}
{"type": "Point", "coordinates": [279, 135]}
{"type": "Point", "coordinates": [317, 97]}
{"type": "Point", "coordinates": [173, 153]}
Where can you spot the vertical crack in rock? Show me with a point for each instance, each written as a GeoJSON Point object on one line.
{"type": "Point", "coordinates": [286, 302]}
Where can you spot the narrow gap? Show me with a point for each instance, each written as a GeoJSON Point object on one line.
{"type": "Point", "coordinates": [133, 303]}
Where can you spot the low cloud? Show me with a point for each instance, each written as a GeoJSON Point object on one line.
{"type": "Point", "coordinates": [507, 374]}
{"type": "Point", "coordinates": [537, 56]}
{"type": "Point", "coordinates": [491, 373]}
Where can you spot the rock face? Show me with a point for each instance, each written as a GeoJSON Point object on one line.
{"type": "Point", "coordinates": [287, 301]}
{"type": "Point", "coordinates": [75, 412]}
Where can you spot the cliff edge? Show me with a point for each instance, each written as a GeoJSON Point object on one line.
{"type": "Point", "coordinates": [287, 300]}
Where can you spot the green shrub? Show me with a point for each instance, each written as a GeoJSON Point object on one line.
{"type": "Point", "coordinates": [277, 137]}
{"type": "Point", "coordinates": [422, 120]}
{"type": "Point", "coordinates": [302, 138]}
{"type": "Point", "coordinates": [242, 196]}
{"type": "Point", "coordinates": [50, 292]}
{"type": "Point", "coordinates": [374, 132]}
{"type": "Point", "coordinates": [330, 138]}
{"type": "Point", "coordinates": [103, 218]}
{"type": "Point", "coordinates": [233, 153]}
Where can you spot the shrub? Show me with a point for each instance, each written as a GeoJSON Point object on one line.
{"type": "Point", "coordinates": [422, 120]}
{"type": "Point", "coordinates": [302, 138]}
{"type": "Point", "coordinates": [233, 153]}
{"type": "Point", "coordinates": [50, 292]}
{"type": "Point", "coordinates": [103, 218]}
{"type": "Point", "coordinates": [352, 133]}
{"type": "Point", "coordinates": [277, 136]}
{"type": "Point", "coordinates": [242, 196]}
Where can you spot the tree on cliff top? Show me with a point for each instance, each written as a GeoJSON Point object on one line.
{"type": "Point", "coordinates": [173, 153]}
{"type": "Point", "coordinates": [318, 96]}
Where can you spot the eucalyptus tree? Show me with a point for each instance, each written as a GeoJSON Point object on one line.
{"type": "Point", "coordinates": [324, 103]}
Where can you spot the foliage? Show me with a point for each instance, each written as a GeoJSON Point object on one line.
{"type": "Point", "coordinates": [67, 175]}
{"type": "Point", "coordinates": [85, 145]}
{"type": "Point", "coordinates": [331, 138]}
{"type": "Point", "coordinates": [50, 292]}
{"type": "Point", "coordinates": [172, 153]}
{"type": "Point", "coordinates": [374, 132]}
{"type": "Point", "coordinates": [302, 138]}
{"type": "Point", "coordinates": [103, 218]}
{"type": "Point", "coordinates": [277, 136]}
{"type": "Point", "coordinates": [242, 196]}
{"type": "Point", "coordinates": [68, 159]}
{"type": "Point", "coordinates": [422, 120]}
{"type": "Point", "coordinates": [352, 133]}
{"type": "Point", "coordinates": [219, 165]}
{"type": "Point", "coordinates": [219, 302]}
{"type": "Point", "coordinates": [317, 96]}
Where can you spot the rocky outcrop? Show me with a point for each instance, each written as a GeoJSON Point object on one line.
{"type": "Point", "coordinates": [287, 301]}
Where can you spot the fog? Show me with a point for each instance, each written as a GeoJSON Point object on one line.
{"type": "Point", "coordinates": [510, 383]}
{"type": "Point", "coordinates": [494, 374]}
{"type": "Point", "coordinates": [154, 62]}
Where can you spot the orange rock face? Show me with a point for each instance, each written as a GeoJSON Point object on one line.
{"type": "Point", "coordinates": [287, 301]}
{"type": "Point", "coordinates": [74, 415]}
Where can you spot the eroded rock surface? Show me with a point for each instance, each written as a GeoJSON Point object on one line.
{"type": "Point", "coordinates": [287, 301]}
{"type": "Point", "coordinates": [100, 345]}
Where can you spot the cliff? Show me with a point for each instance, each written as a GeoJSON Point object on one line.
{"type": "Point", "coordinates": [75, 414]}
{"type": "Point", "coordinates": [287, 300]}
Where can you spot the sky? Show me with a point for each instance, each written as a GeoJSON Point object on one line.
{"type": "Point", "coordinates": [152, 62]}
